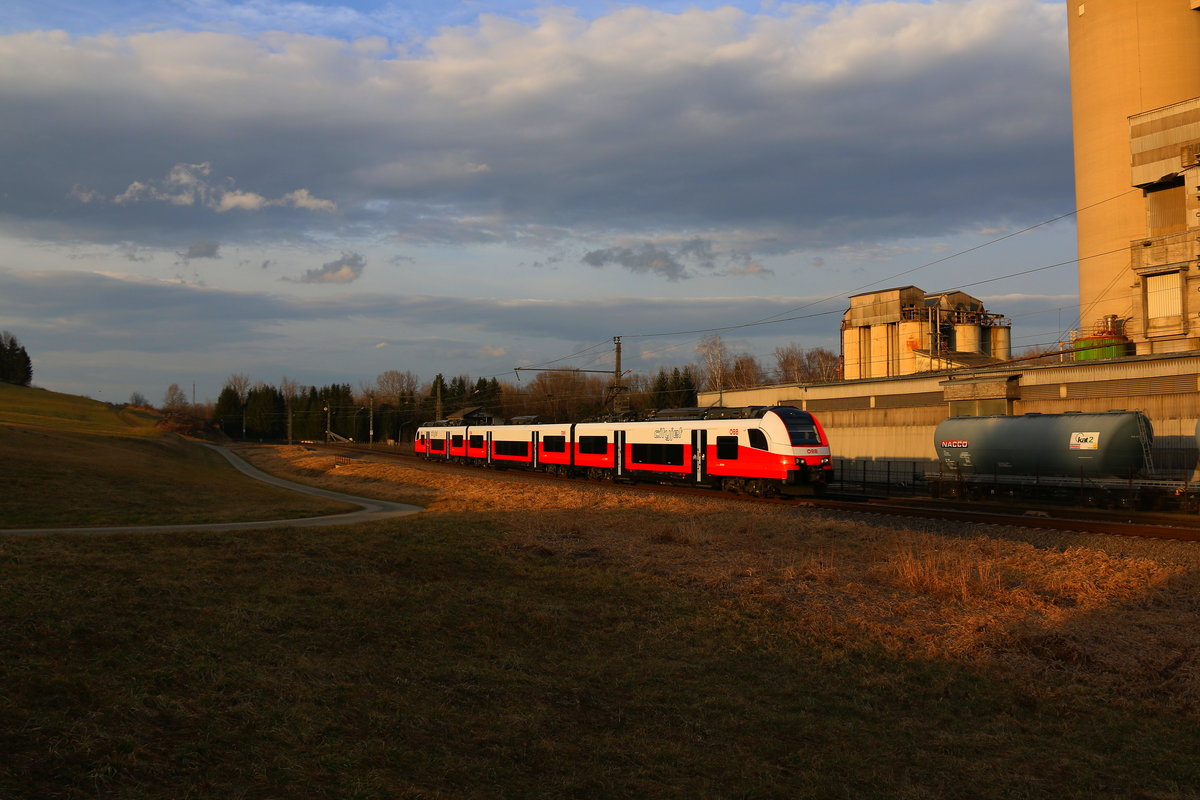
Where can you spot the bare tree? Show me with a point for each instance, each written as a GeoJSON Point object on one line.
{"type": "Point", "coordinates": [175, 401]}
{"type": "Point", "coordinates": [794, 364]}
{"type": "Point", "coordinates": [821, 365]}
{"type": "Point", "coordinates": [288, 388]}
{"type": "Point", "coordinates": [566, 396]}
{"type": "Point", "coordinates": [789, 363]}
{"type": "Point", "coordinates": [714, 357]}
{"type": "Point", "coordinates": [397, 387]}
{"type": "Point", "coordinates": [745, 372]}
{"type": "Point", "coordinates": [240, 383]}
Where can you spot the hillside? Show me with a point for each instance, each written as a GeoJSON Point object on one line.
{"type": "Point", "coordinates": [73, 461]}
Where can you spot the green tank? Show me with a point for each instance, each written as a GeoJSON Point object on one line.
{"type": "Point", "coordinates": [1094, 348]}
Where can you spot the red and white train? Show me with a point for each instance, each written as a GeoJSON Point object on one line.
{"type": "Point", "coordinates": [757, 450]}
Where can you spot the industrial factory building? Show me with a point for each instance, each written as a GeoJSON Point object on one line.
{"type": "Point", "coordinates": [902, 331]}
{"type": "Point", "coordinates": [911, 359]}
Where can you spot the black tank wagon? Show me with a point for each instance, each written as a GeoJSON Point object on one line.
{"type": "Point", "coordinates": [1107, 444]}
{"type": "Point", "coordinates": [1097, 459]}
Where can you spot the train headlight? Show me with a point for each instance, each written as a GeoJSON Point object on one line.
{"type": "Point", "coordinates": [825, 459]}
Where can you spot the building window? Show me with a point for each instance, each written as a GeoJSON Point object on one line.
{"type": "Point", "coordinates": [1166, 208]}
{"type": "Point", "coordinates": [1163, 296]}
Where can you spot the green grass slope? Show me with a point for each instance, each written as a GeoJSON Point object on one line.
{"type": "Point", "coordinates": [70, 461]}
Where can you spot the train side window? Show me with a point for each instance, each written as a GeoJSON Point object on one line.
{"type": "Point", "coordinates": [512, 449]}
{"type": "Point", "coordinates": [593, 445]}
{"type": "Point", "coordinates": [727, 448]}
{"type": "Point", "coordinates": [665, 454]}
{"type": "Point", "coordinates": [476, 442]}
{"type": "Point", "coordinates": [758, 439]}
{"type": "Point", "coordinates": [438, 445]}
{"type": "Point", "coordinates": [554, 444]}
{"type": "Point", "coordinates": [456, 440]}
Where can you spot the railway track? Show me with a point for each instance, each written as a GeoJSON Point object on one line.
{"type": "Point", "coordinates": [1123, 523]}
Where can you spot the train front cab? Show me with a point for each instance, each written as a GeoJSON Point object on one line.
{"type": "Point", "coordinates": [809, 446]}
{"type": "Point", "coordinates": [783, 451]}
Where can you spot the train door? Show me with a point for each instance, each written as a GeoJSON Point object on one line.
{"type": "Point", "coordinates": [619, 453]}
{"type": "Point", "coordinates": [571, 447]}
{"type": "Point", "coordinates": [699, 455]}
{"type": "Point", "coordinates": [488, 451]}
{"type": "Point", "coordinates": [534, 444]}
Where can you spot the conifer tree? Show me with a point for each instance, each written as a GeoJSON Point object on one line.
{"type": "Point", "coordinates": [15, 364]}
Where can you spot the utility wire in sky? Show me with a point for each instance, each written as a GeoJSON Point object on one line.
{"type": "Point", "coordinates": [779, 317]}
{"type": "Point", "coordinates": [771, 318]}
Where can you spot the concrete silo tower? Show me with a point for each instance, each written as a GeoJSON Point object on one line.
{"type": "Point", "coordinates": [1127, 57]}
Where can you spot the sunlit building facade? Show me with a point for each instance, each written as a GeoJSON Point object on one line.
{"type": "Point", "coordinates": [1135, 99]}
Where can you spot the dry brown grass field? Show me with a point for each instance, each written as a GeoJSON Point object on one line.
{"type": "Point", "coordinates": [1063, 609]}
{"type": "Point", "coordinates": [522, 639]}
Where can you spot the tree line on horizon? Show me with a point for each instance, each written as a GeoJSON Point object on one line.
{"type": "Point", "coordinates": [397, 402]}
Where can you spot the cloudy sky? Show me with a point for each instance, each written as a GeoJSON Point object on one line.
{"type": "Point", "coordinates": [326, 191]}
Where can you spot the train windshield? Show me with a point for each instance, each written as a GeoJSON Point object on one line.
{"type": "Point", "coordinates": [801, 429]}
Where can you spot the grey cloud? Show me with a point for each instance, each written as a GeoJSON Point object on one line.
{"type": "Point", "coordinates": [817, 127]}
{"type": "Point", "coordinates": [202, 250]}
{"type": "Point", "coordinates": [346, 269]}
{"type": "Point", "coordinates": [643, 259]}
{"type": "Point", "coordinates": [132, 253]}
{"type": "Point", "coordinates": [751, 268]}
{"type": "Point", "coordinates": [702, 255]}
